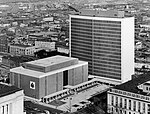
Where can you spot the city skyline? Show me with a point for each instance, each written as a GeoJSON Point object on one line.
{"type": "Point", "coordinates": [74, 56]}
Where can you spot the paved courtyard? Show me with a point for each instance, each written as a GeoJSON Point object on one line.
{"type": "Point", "coordinates": [78, 100]}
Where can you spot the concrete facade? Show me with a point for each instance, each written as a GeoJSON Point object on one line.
{"type": "Point", "coordinates": [3, 43]}
{"type": "Point", "coordinates": [18, 49]}
{"type": "Point", "coordinates": [48, 77]}
{"type": "Point", "coordinates": [45, 44]}
{"type": "Point", "coordinates": [106, 42]}
{"type": "Point", "coordinates": [131, 97]}
{"type": "Point", "coordinates": [11, 103]}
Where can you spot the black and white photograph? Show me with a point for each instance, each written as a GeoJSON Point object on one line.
{"type": "Point", "coordinates": [74, 56]}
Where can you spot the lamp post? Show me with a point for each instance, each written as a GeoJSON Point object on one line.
{"type": "Point", "coordinates": [70, 103]}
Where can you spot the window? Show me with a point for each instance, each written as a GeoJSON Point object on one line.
{"type": "Point", "coordinates": [134, 105]}
{"type": "Point", "coordinates": [129, 104]}
{"type": "Point", "coordinates": [7, 108]}
{"type": "Point", "coordinates": [116, 109]}
{"type": "Point", "coordinates": [147, 98]}
{"type": "Point", "coordinates": [133, 95]}
{"type": "Point", "coordinates": [148, 108]}
{"type": "Point", "coordinates": [129, 94]}
{"type": "Point", "coordinates": [125, 103]}
{"type": "Point", "coordinates": [112, 100]}
{"type": "Point", "coordinates": [65, 78]}
{"type": "Point", "coordinates": [32, 85]}
{"type": "Point", "coordinates": [143, 107]}
{"type": "Point", "coordinates": [125, 112]}
{"type": "Point", "coordinates": [139, 106]}
{"type": "Point", "coordinates": [124, 93]}
{"type": "Point", "coordinates": [121, 102]}
{"type": "Point", "coordinates": [116, 101]}
{"type": "Point", "coordinates": [147, 88]}
{"type": "Point", "coordinates": [3, 110]}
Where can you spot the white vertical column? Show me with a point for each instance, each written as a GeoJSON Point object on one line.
{"type": "Point", "coordinates": [8, 112]}
{"type": "Point", "coordinates": [136, 106]}
{"type": "Point", "coordinates": [141, 106]}
{"type": "Point", "coordinates": [109, 99]}
{"type": "Point", "coordinates": [146, 107]}
{"type": "Point", "coordinates": [114, 100]}
{"type": "Point", "coordinates": [1, 109]}
{"type": "Point", "coordinates": [123, 102]}
{"type": "Point", "coordinates": [131, 104]}
{"type": "Point", "coordinates": [5, 109]}
{"type": "Point", "coordinates": [127, 103]}
{"type": "Point", "coordinates": [118, 101]}
{"type": "Point", "coordinates": [10, 108]}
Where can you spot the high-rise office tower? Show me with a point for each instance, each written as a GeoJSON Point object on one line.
{"type": "Point", "coordinates": [106, 41]}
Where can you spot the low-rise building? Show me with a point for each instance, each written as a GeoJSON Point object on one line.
{"type": "Point", "coordinates": [63, 49]}
{"type": "Point", "coordinates": [45, 44]}
{"type": "Point", "coordinates": [19, 49]}
{"type": "Point", "coordinates": [9, 62]}
{"type": "Point", "coordinates": [48, 19]}
{"type": "Point", "coordinates": [42, 77]}
{"type": "Point", "coordinates": [11, 100]}
{"type": "Point", "coordinates": [131, 97]}
{"type": "Point", "coordinates": [3, 43]}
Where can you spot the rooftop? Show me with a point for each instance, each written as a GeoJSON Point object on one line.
{"type": "Point", "coordinates": [40, 74]}
{"type": "Point", "coordinates": [20, 45]}
{"type": "Point", "coordinates": [7, 89]}
{"type": "Point", "coordinates": [132, 85]}
{"type": "Point", "coordinates": [51, 61]}
{"type": "Point", "coordinates": [40, 107]}
{"type": "Point", "coordinates": [101, 13]}
{"type": "Point", "coordinates": [44, 33]}
{"type": "Point", "coordinates": [19, 58]}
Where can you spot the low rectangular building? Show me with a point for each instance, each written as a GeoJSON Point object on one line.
{"type": "Point", "coordinates": [3, 43]}
{"type": "Point", "coordinates": [45, 44]}
{"type": "Point", "coordinates": [11, 99]}
{"type": "Point", "coordinates": [132, 97]}
{"type": "Point", "coordinates": [45, 76]}
{"type": "Point", "coordinates": [19, 49]}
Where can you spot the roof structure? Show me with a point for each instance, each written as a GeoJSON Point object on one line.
{"type": "Point", "coordinates": [48, 66]}
{"type": "Point", "coordinates": [21, 45]}
{"type": "Point", "coordinates": [132, 85]}
{"type": "Point", "coordinates": [51, 61]}
{"type": "Point", "coordinates": [100, 13]}
{"type": "Point", "coordinates": [19, 58]}
{"type": "Point", "coordinates": [44, 33]}
{"type": "Point", "coordinates": [7, 89]}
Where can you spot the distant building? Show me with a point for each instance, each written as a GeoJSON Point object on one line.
{"type": "Point", "coordinates": [20, 49]}
{"type": "Point", "coordinates": [63, 49]}
{"type": "Point", "coordinates": [131, 97]}
{"type": "Point", "coordinates": [3, 43]}
{"type": "Point", "coordinates": [105, 39]}
{"type": "Point", "coordinates": [99, 13]}
{"type": "Point", "coordinates": [40, 36]}
{"type": "Point", "coordinates": [30, 30]}
{"type": "Point", "coordinates": [15, 61]}
{"type": "Point", "coordinates": [42, 77]}
{"type": "Point", "coordinates": [45, 44]}
{"type": "Point", "coordinates": [11, 100]}
{"type": "Point", "coordinates": [9, 62]}
{"type": "Point", "coordinates": [48, 19]}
